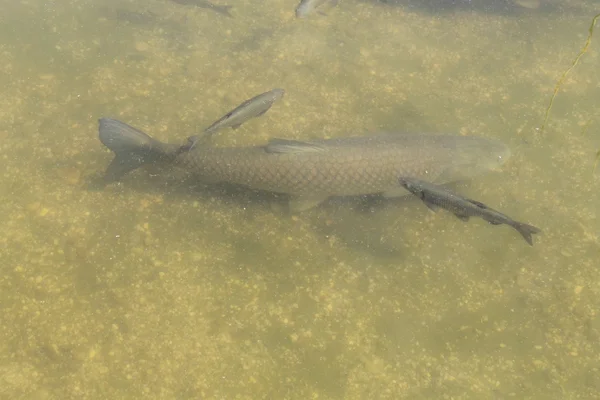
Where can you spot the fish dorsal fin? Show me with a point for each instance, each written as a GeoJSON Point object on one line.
{"type": "Point", "coordinates": [477, 203]}
{"type": "Point", "coordinates": [292, 146]}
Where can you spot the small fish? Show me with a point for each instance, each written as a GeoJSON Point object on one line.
{"type": "Point", "coordinates": [252, 108]}
{"type": "Point", "coordinates": [307, 7]}
{"type": "Point", "coordinates": [223, 10]}
{"type": "Point", "coordinates": [435, 196]}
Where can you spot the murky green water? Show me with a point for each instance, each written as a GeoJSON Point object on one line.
{"type": "Point", "coordinates": [159, 289]}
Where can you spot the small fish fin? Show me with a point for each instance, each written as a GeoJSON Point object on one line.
{"type": "Point", "coordinates": [122, 164]}
{"type": "Point", "coordinates": [462, 217]}
{"type": "Point", "coordinates": [236, 125]}
{"type": "Point", "coordinates": [526, 231]}
{"type": "Point", "coordinates": [395, 192]}
{"type": "Point", "coordinates": [298, 204]}
{"type": "Point", "coordinates": [477, 203]}
{"type": "Point", "coordinates": [495, 223]}
{"type": "Point", "coordinates": [292, 146]}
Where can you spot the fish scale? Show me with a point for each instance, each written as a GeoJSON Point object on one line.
{"type": "Point", "coordinates": [355, 167]}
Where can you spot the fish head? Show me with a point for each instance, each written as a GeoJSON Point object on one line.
{"type": "Point", "coordinates": [405, 182]}
{"type": "Point", "coordinates": [475, 156]}
{"type": "Point", "coordinates": [412, 185]}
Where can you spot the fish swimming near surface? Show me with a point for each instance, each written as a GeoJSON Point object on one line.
{"type": "Point", "coordinates": [307, 7]}
{"type": "Point", "coordinates": [435, 196]}
{"type": "Point", "coordinates": [311, 171]}
{"type": "Point", "coordinates": [221, 9]}
{"type": "Point", "coordinates": [254, 107]}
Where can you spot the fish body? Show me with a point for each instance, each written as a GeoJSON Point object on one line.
{"type": "Point", "coordinates": [254, 107]}
{"type": "Point", "coordinates": [307, 7]}
{"type": "Point", "coordinates": [435, 197]}
{"type": "Point", "coordinates": [221, 9]}
{"type": "Point", "coordinates": [310, 172]}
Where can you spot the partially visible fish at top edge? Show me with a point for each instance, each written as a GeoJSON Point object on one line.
{"type": "Point", "coordinates": [307, 7]}
{"type": "Point", "coordinates": [310, 172]}
{"type": "Point", "coordinates": [221, 9]}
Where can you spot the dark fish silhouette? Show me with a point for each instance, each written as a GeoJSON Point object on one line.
{"type": "Point", "coordinates": [310, 172]}
{"type": "Point", "coordinates": [254, 107]}
{"type": "Point", "coordinates": [435, 196]}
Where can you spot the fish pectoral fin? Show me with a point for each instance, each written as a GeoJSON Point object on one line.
{"type": "Point", "coordinates": [395, 192]}
{"type": "Point", "coordinates": [236, 126]}
{"type": "Point", "coordinates": [292, 146]}
{"type": "Point", "coordinates": [462, 217]}
{"type": "Point", "coordinates": [298, 204]}
{"type": "Point", "coordinates": [495, 223]}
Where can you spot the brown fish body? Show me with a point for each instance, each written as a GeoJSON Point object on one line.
{"type": "Point", "coordinates": [349, 166]}
{"type": "Point", "coordinates": [312, 171]}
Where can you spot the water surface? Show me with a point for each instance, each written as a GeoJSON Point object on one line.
{"type": "Point", "coordinates": [159, 288]}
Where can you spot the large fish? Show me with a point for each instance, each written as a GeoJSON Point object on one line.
{"type": "Point", "coordinates": [310, 172]}
{"type": "Point", "coordinates": [435, 196]}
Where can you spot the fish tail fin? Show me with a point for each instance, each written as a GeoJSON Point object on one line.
{"type": "Point", "coordinates": [526, 231]}
{"type": "Point", "coordinates": [132, 147]}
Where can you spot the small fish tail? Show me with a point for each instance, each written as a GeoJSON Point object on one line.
{"type": "Point", "coordinates": [133, 148]}
{"type": "Point", "coordinates": [526, 231]}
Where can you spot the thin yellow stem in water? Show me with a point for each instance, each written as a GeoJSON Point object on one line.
{"type": "Point", "coordinates": [564, 75]}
